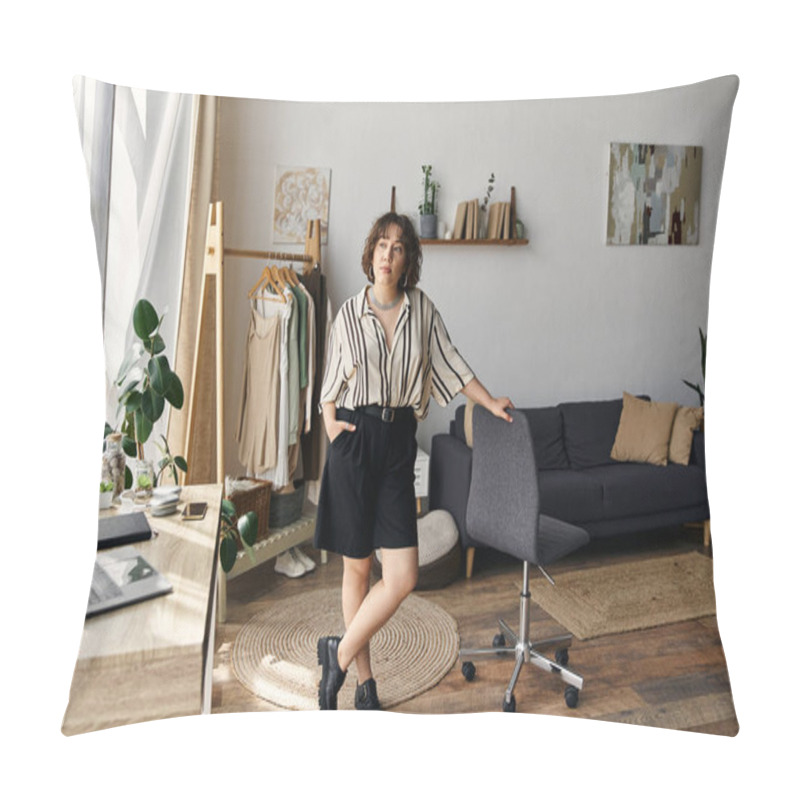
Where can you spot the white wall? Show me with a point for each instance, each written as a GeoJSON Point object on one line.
{"type": "Point", "coordinates": [564, 318]}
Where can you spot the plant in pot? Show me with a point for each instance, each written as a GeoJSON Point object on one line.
{"type": "Point", "coordinates": [696, 386]}
{"type": "Point", "coordinates": [106, 493]}
{"type": "Point", "coordinates": [428, 206]}
{"type": "Point", "coordinates": [146, 384]}
{"type": "Point", "coordinates": [235, 530]}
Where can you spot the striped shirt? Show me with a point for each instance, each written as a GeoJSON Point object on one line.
{"type": "Point", "coordinates": [361, 370]}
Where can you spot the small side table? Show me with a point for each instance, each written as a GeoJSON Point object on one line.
{"type": "Point", "coordinates": [421, 477]}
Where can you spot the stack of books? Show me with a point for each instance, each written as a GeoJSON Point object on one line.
{"type": "Point", "coordinates": [468, 216]}
{"type": "Point", "coordinates": [500, 221]}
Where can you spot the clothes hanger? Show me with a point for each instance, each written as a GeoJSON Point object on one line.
{"type": "Point", "coordinates": [278, 278]}
{"type": "Point", "coordinates": [267, 280]}
{"type": "Point", "coordinates": [290, 276]}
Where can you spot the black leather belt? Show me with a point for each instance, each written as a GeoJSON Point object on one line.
{"type": "Point", "coordinates": [388, 414]}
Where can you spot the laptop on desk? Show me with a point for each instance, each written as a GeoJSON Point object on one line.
{"type": "Point", "coordinates": [122, 577]}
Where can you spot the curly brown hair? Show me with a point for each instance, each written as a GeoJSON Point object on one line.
{"type": "Point", "coordinates": [409, 238]}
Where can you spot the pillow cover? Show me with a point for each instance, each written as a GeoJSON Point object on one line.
{"type": "Point", "coordinates": [687, 420]}
{"type": "Point", "coordinates": [584, 279]}
{"type": "Point", "coordinates": [644, 431]}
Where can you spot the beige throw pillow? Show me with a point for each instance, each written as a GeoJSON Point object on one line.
{"type": "Point", "coordinates": [644, 431]}
{"type": "Point", "coordinates": [687, 421]}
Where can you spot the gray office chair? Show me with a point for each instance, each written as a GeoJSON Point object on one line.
{"type": "Point", "coordinates": [503, 513]}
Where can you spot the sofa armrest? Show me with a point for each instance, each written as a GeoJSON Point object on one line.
{"type": "Point", "coordinates": [698, 454]}
{"type": "Point", "coordinates": [450, 476]}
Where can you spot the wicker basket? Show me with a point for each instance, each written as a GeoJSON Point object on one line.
{"type": "Point", "coordinates": [287, 508]}
{"type": "Point", "coordinates": [255, 499]}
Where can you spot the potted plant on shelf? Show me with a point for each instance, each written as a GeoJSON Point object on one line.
{"type": "Point", "coordinates": [428, 206]}
{"type": "Point", "coordinates": [147, 383]}
{"type": "Point", "coordinates": [106, 494]}
{"type": "Point", "coordinates": [233, 528]}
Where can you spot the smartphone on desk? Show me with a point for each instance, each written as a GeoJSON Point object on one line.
{"type": "Point", "coordinates": [193, 511]}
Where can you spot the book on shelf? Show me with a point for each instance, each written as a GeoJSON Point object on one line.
{"type": "Point", "coordinates": [505, 231]}
{"type": "Point", "coordinates": [495, 215]}
{"type": "Point", "coordinates": [461, 220]}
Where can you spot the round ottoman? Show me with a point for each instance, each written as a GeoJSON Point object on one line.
{"type": "Point", "coordinates": [439, 551]}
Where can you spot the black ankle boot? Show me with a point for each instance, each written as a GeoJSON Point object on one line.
{"type": "Point", "coordinates": [332, 674]}
{"type": "Point", "coordinates": [367, 696]}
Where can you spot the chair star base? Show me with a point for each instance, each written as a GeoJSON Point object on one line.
{"type": "Point", "coordinates": [525, 651]}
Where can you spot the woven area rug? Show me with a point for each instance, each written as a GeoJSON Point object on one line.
{"type": "Point", "coordinates": [629, 597]}
{"type": "Point", "coordinates": [275, 653]}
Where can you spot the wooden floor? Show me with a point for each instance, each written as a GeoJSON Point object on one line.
{"type": "Point", "coordinates": [674, 676]}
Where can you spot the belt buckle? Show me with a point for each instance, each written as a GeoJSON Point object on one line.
{"type": "Point", "coordinates": [387, 415]}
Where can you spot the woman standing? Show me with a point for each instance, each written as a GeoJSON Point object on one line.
{"type": "Point", "coordinates": [388, 353]}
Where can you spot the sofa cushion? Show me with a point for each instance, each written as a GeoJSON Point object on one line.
{"type": "Point", "coordinates": [634, 489]}
{"type": "Point", "coordinates": [546, 429]}
{"type": "Point", "coordinates": [548, 437]}
{"type": "Point", "coordinates": [687, 421]}
{"type": "Point", "coordinates": [644, 431]}
{"type": "Point", "coordinates": [570, 495]}
{"type": "Point", "coordinates": [457, 428]}
{"type": "Point", "coordinates": [589, 431]}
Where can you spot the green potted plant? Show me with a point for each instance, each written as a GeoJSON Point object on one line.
{"type": "Point", "coordinates": [106, 494]}
{"type": "Point", "coordinates": [146, 384]}
{"type": "Point", "coordinates": [235, 530]}
{"type": "Point", "coordinates": [169, 463]}
{"type": "Point", "coordinates": [428, 207]}
{"type": "Point", "coordinates": [696, 386]}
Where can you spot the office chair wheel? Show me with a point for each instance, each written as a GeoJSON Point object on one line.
{"type": "Point", "coordinates": [510, 706]}
{"type": "Point", "coordinates": [571, 697]}
{"type": "Point", "coordinates": [562, 657]}
{"type": "Point", "coordinates": [499, 640]}
{"type": "Point", "coordinates": [468, 671]}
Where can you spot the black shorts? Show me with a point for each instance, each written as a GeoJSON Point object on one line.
{"type": "Point", "coordinates": [366, 498]}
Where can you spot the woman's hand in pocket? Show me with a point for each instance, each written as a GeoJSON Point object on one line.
{"type": "Point", "coordinates": [337, 427]}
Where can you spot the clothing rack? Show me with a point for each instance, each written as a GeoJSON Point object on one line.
{"type": "Point", "coordinates": [205, 440]}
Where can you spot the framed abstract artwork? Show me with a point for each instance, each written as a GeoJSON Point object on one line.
{"type": "Point", "coordinates": [654, 194]}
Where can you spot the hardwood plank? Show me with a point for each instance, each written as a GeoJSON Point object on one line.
{"type": "Point", "coordinates": [674, 676]}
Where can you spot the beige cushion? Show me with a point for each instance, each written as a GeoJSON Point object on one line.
{"type": "Point", "coordinates": [468, 409]}
{"type": "Point", "coordinates": [687, 421]}
{"type": "Point", "coordinates": [644, 431]}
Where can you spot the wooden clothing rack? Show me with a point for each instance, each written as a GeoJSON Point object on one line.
{"type": "Point", "coordinates": [205, 440]}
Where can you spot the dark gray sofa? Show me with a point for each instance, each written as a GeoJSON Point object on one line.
{"type": "Point", "coordinates": [579, 482]}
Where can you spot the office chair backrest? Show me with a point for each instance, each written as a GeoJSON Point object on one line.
{"type": "Point", "coordinates": [503, 505]}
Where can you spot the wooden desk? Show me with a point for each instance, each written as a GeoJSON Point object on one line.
{"type": "Point", "coordinates": [154, 660]}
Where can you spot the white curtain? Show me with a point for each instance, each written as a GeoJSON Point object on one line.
{"type": "Point", "coordinates": [147, 197]}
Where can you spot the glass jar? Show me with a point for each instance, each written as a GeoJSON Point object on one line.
{"type": "Point", "coordinates": [113, 469]}
{"type": "Point", "coordinates": [143, 480]}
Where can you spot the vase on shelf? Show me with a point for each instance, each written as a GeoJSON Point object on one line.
{"type": "Point", "coordinates": [113, 469]}
{"type": "Point", "coordinates": [483, 224]}
{"type": "Point", "coordinates": [143, 480]}
{"type": "Point", "coordinates": [427, 226]}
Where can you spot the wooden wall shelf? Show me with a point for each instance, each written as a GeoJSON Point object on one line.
{"type": "Point", "coordinates": [473, 242]}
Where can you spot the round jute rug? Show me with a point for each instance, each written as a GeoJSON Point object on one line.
{"type": "Point", "coordinates": [275, 653]}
